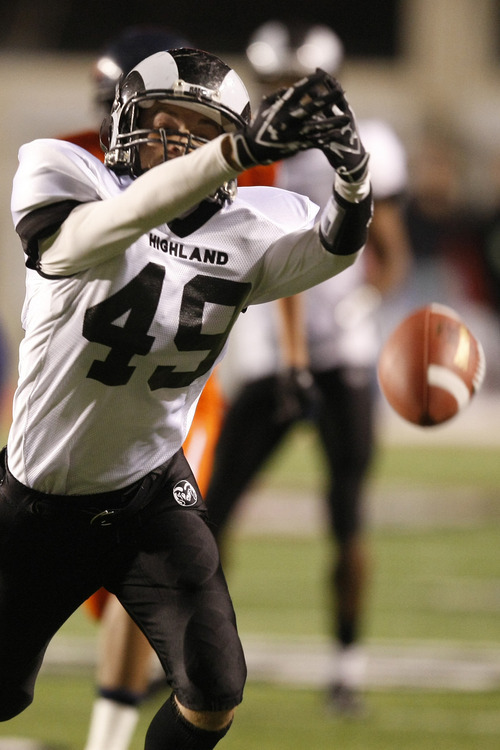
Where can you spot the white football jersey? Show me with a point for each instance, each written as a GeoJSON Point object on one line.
{"type": "Point", "coordinates": [115, 357]}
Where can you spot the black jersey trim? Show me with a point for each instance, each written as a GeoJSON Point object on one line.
{"type": "Point", "coordinates": [194, 220]}
{"type": "Point", "coordinates": [41, 223]}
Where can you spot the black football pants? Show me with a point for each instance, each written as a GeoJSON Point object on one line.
{"type": "Point", "coordinates": [161, 562]}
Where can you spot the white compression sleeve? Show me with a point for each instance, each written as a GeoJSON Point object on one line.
{"type": "Point", "coordinates": [354, 192]}
{"type": "Point", "coordinates": [97, 231]}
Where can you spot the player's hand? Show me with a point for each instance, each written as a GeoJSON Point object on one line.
{"type": "Point", "coordinates": [296, 396]}
{"type": "Point", "coordinates": [287, 121]}
{"type": "Point", "coordinates": [335, 132]}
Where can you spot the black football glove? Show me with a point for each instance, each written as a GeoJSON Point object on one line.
{"type": "Point", "coordinates": [333, 130]}
{"type": "Point", "coordinates": [296, 396]}
{"type": "Point", "coordinates": [286, 122]}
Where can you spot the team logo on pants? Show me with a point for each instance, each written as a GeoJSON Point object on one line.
{"type": "Point", "coordinates": [185, 493]}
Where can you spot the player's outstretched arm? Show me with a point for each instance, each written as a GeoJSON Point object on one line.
{"type": "Point", "coordinates": [98, 230]}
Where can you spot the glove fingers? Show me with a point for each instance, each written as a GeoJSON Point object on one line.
{"type": "Point", "coordinates": [337, 122]}
{"type": "Point", "coordinates": [315, 92]}
{"type": "Point", "coordinates": [341, 132]}
{"type": "Point", "coordinates": [268, 101]}
{"type": "Point", "coordinates": [326, 90]}
{"type": "Point", "coordinates": [312, 97]}
{"type": "Point", "coordinates": [325, 109]}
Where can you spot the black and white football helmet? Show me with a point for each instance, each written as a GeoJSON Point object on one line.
{"type": "Point", "coordinates": [186, 77]}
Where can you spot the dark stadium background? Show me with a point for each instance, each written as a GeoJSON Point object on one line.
{"type": "Point", "coordinates": [368, 27]}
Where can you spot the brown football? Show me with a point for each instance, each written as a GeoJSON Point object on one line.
{"type": "Point", "coordinates": [430, 366]}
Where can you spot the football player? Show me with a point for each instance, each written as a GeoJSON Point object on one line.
{"type": "Point", "coordinates": [136, 272]}
{"type": "Point", "coordinates": [333, 382]}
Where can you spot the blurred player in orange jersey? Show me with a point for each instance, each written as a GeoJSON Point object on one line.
{"type": "Point", "coordinates": [125, 656]}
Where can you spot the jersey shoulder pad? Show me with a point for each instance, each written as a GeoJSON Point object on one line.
{"type": "Point", "coordinates": [289, 210]}
{"type": "Point", "coordinates": [87, 139]}
{"type": "Point", "coordinates": [53, 171]}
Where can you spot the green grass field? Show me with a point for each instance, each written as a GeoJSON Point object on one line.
{"type": "Point", "coordinates": [277, 718]}
{"type": "Point", "coordinates": [298, 464]}
{"type": "Point", "coordinates": [431, 584]}
{"type": "Point", "coordinates": [438, 584]}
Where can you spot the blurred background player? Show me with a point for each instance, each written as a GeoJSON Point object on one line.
{"type": "Point", "coordinates": [125, 657]}
{"type": "Point", "coordinates": [272, 386]}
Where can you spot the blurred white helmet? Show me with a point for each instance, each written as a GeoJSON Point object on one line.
{"type": "Point", "coordinates": [278, 49]}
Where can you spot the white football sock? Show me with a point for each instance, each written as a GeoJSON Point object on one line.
{"type": "Point", "coordinates": [112, 725]}
{"type": "Point", "coordinates": [350, 666]}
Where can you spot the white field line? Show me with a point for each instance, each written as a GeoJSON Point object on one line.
{"type": "Point", "coordinates": [310, 663]}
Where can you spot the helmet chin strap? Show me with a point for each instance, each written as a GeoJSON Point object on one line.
{"type": "Point", "coordinates": [225, 194]}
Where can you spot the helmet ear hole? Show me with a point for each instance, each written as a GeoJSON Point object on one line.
{"type": "Point", "coordinates": [105, 133]}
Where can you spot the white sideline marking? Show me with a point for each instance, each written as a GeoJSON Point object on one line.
{"type": "Point", "coordinates": [309, 662]}
{"type": "Point", "coordinates": [389, 665]}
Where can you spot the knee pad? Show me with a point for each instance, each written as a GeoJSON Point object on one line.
{"type": "Point", "coordinates": [214, 661]}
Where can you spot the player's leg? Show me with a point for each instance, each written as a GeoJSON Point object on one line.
{"type": "Point", "coordinates": [250, 432]}
{"type": "Point", "coordinates": [346, 428]}
{"type": "Point", "coordinates": [44, 577]}
{"type": "Point", "coordinates": [192, 626]}
{"type": "Point", "coordinates": [123, 676]}
{"type": "Point", "coordinates": [173, 586]}
{"type": "Point", "coordinates": [178, 727]}
{"type": "Point", "coordinates": [125, 656]}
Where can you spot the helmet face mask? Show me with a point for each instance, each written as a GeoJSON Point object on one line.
{"type": "Point", "coordinates": [187, 78]}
